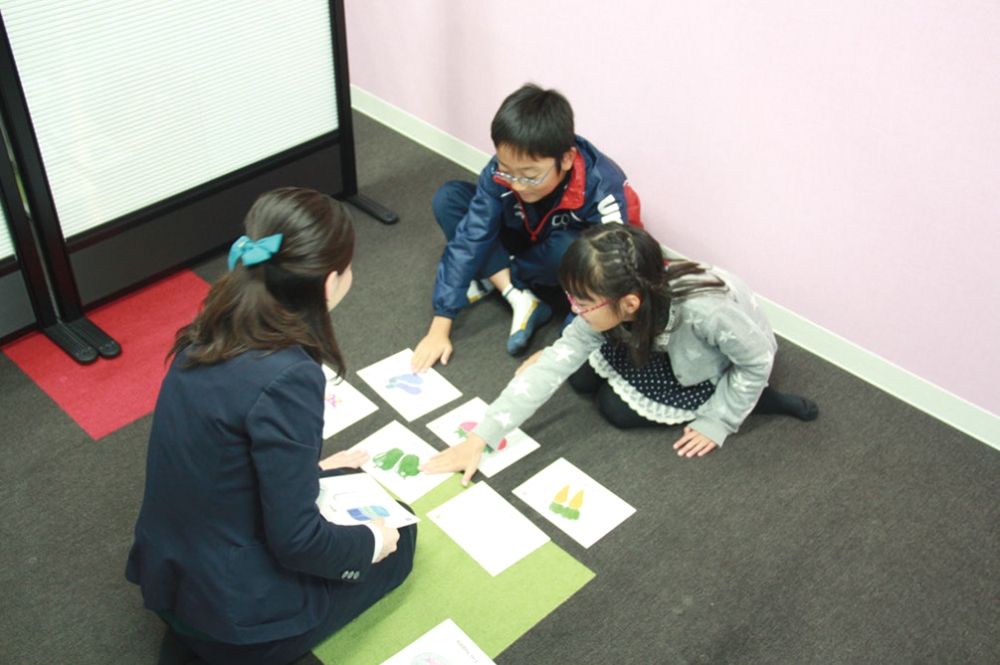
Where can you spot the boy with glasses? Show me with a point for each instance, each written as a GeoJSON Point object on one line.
{"type": "Point", "coordinates": [508, 231]}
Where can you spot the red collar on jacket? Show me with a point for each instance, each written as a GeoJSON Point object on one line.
{"type": "Point", "coordinates": [573, 197]}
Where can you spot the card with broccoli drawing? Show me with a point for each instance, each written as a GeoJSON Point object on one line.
{"type": "Point", "coordinates": [396, 453]}
{"type": "Point", "coordinates": [454, 427]}
{"type": "Point", "coordinates": [412, 395]}
{"type": "Point", "coordinates": [343, 405]}
{"type": "Point", "coordinates": [574, 502]}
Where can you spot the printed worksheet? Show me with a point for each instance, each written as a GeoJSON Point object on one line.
{"type": "Point", "coordinates": [413, 395]}
{"type": "Point", "coordinates": [355, 498]}
{"type": "Point", "coordinates": [454, 426]}
{"type": "Point", "coordinates": [396, 453]}
{"type": "Point", "coordinates": [574, 502]}
{"type": "Point", "coordinates": [488, 527]}
{"type": "Point", "coordinates": [445, 644]}
{"type": "Point", "coordinates": [343, 405]}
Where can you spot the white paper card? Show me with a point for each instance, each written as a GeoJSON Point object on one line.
{"type": "Point", "coordinates": [454, 426]}
{"type": "Point", "coordinates": [445, 644]}
{"type": "Point", "coordinates": [413, 395]}
{"type": "Point", "coordinates": [343, 405]}
{"type": "Point", "coordinates": [396, 452]}
{"type": "Point", "coordinates": [488, 527]}
{"type": "Point", "coordinates": [355, 498]}
{"type": "Point", "coordinates": [574, 502]}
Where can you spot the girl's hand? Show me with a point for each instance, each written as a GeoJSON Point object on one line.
{"type": "Point", "coordinates": [529, 362]}
{"type": "Point", "coordinates": [345, 459]}
{"type": "Point", "coordinates": [693, 443]}
{"type": "Point", "coordinates": [464, 457]}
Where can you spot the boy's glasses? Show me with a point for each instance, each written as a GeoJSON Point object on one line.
{"type": "Point", "coordinates": [530, 181]}
{"type": "Point", "coordinates": [575, 306]}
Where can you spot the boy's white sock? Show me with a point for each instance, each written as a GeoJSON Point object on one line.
{"type": "Point", "coordinates": [479, 288]}
{"type": "Point", "coordinates": [529, 313]}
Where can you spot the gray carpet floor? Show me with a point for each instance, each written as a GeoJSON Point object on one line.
{"type": "Point", "coordinates": [871, 535]}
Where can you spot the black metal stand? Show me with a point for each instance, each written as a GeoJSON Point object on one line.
{"type": "Point", "coordinates": [373, 208]}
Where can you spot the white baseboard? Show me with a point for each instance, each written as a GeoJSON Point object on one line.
{"type": "Point", "coordinates": [898, 382]}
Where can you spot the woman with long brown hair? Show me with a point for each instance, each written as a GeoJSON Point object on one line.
{"type": "Point", "coordinates": [230, 548]}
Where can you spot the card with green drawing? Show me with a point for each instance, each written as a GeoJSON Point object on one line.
{"type": "Point", "coordinates": [396, 453]}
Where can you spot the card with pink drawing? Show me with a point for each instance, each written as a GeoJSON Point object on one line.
{"type": "Point", "coordinates": [343, 405]}
{"type": "Point", "coordinates": [454, 427]}
{"type": "Point", "coordinates": [412, 395]}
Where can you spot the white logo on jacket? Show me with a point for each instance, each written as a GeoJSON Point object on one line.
{"type": "Point", "coordinates": [609, 209]}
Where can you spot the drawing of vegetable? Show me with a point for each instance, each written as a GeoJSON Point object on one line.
{"type": "Point", "coordinates": [365, 513]}
{"type": "Point", "coordinates": [465, 428]}
{"type": "Point", "coordinates": [570, 512]}
{"type": "Point", "coordinates": [408, 466]}
{"type": "Point", "coordinates": [408, 383]}
{"type": "Point", "coordinates": [386, 460]}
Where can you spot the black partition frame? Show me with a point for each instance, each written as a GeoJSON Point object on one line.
{"type": "Point", "coordinates": [120, 254]}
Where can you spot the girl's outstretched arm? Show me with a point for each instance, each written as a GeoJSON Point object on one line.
{"type": "Point", "coordinates": [462, 458]}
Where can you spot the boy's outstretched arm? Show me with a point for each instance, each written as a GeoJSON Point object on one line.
{"type": "Point", "coordinates": [436, 345]}
{"type": "Point", "coordinates": [463, 458]}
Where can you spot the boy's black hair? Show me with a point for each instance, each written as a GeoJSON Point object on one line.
{"type": "Point", "coordinates": [536, 121]}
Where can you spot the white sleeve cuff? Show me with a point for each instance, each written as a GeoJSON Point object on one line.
{"type": "Point", "coordinates": [378, 540]}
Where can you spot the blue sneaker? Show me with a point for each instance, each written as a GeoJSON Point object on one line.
{"type": "Point", "coordinates": [538, 317]}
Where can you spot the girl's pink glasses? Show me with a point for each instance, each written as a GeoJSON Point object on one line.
{"type": "Point", "coordinates": [573, 305]}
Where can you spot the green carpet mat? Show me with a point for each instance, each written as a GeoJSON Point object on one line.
{"type": "Point", "coordinates": [447, 583]}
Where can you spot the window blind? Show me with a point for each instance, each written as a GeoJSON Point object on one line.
{"type": "Point", "coordinates": [134, 101]}
{"type": "Point", "coordinates": [6, 243]}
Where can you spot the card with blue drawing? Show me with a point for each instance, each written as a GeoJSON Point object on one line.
{"type": "Point", "coordinates": [396, 453]}
{"type": "Point", "coordinates": [574, 502]}
{"type": "Point", "coordinates": [412, 395]}
{"type": "Point", "coordinates": [343, 405]}
{"type": "Point", "coordinates": [355, 498]}
{"type": "Point", "coordinates": [454, 427]}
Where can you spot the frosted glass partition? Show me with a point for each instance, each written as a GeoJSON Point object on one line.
{"type": "Point", "coordinates": [136, 101]}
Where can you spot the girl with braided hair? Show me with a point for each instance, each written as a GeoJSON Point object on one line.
{"type": "Point", "coordinates": [667, 343]}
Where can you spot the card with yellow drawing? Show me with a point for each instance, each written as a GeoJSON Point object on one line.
{"type": "Point", "coordinates": [574, 502]}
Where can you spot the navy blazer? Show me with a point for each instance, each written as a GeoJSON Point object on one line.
{"type": "Point", "coordinates": [229, 538]}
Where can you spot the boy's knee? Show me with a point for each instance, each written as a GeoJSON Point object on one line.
{"type": "Point", "coordinates": [451, 202]}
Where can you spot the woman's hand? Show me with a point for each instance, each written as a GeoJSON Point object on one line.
{"type": "Point", "coordinates": [390, 537]}
{"type": "Point", "coordinates": [693, 443]}
{"type": "Point", "coordinates": [529, 362]}
{"type": "Point", "coordinates": [345, 459]}
{"type": "Point", "coordinates": [464, 457]}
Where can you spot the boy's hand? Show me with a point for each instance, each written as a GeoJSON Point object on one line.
{"type": "Point", "coordinates": [345, 459]}
{"type": "Point", "coordinates": [693, 443]}
{"type": "Point", "coordinates": [529, 362]}
{"type": "Point", "coordinates": [464, 457]}
{"type": "Point", "coordinates": [436, 345]}
{"type": "Point", "coordinates": [390, 537]}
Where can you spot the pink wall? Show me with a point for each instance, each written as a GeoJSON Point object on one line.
{"type": "Point", "coordinates": [844, 158]}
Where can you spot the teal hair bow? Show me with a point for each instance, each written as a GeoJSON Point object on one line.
{"type": "Point", "coordinates": [253, 251]}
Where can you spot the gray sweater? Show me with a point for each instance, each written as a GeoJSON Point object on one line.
{"type": "Point", "coordinates": [718, 336]}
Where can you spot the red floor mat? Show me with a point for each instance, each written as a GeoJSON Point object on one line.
{"type": "Point", "coordinates": [108, 394]}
